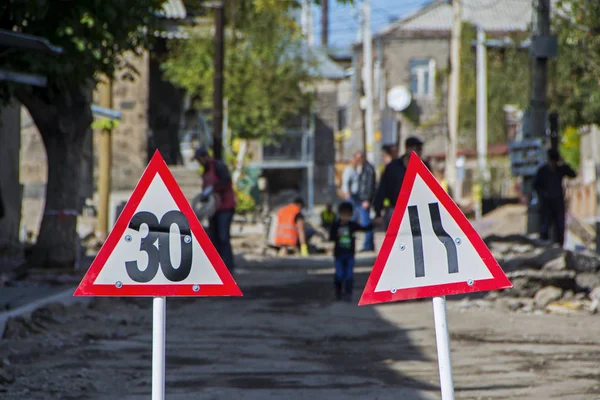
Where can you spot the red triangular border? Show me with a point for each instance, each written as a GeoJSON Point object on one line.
{"type": "Point", "coordinates": [157, 165]}
{"type": "Point", "coordinates": [499, 280]}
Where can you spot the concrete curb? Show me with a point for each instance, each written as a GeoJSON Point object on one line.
{"type": "Point", "coordinates": [64, 297]}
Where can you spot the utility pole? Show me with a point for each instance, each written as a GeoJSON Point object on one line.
{"type": "Point", "coordinates": [541, 51]}
{"type": "Point", "coordinates": [482, 107]}
{"type": "Point", "coordinates": [368, 78]}
{"type": "Point", "coordinates": [218, 81]}
{"type": "Point", "coordinates": [453, 97]}
{"type": "Point", "coordinates": [540, 73]}
{"type": "Point", "coordinates": [325, 23]}
{"type": "Point", "coordinates": [104, 163]}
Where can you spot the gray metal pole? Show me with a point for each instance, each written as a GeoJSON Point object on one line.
{"type": "Point", "coordinates": [482, 108]}
{"type": "Point", "coordinates": [368, 63]}
{"type": "Point", "coordinates": [454, 98]}
{"type": "Point", "coordinates": [325, 23]}
{"type": "Point", "coordinates": [218, 81]}
{"type": "Point", "coordinates": [538, 105]}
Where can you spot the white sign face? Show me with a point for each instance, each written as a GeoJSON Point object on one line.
{"type": "Point", "coordinates": [138, 249]}
{"type": "Point", "coordinates": [429, 259]}
{"type": "Point", "coordinates": [430, 248]}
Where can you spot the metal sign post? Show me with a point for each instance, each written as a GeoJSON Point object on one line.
{"type": "Point", "coordinates": [443, 347]}
{"type": "Point", "coordinates": [129, 264]}
{"type": "Point", "coordinates": [159, 319]}
{"type": "Point", "coordinates": [459, 262]}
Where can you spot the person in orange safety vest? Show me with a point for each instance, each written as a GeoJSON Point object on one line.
{"type": "Point", "coordinates": [288, 229]}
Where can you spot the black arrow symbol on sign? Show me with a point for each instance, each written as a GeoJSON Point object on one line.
{"type": "Point", "coordinates": [440, 232]}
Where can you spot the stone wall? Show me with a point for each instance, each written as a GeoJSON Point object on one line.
{"type": "Point", "coordinates": [130, 138]}
{"type": "Point", "coordinates": [33, 160]}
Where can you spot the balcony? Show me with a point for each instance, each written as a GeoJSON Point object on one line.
{"type": "Point", "coordinates": [291, 151]}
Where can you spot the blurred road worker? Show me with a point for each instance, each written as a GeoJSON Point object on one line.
{"type": "Point", "coordinates": [289, 229]}
{"type": "Point", "coordinates": [358, 185]}
{"type": "Point", "coordinates": [440, 175]}
{"type": "Point", "coordinates": [393, 176]}
{"type": "Point", "coordinates": [327, 217]}
{"type": "Point", "coordinates": [548, 184]}
{"type": "Point", "coordinates": [342, 233]}
{"type": "Point", "coordinates": [216, 182]}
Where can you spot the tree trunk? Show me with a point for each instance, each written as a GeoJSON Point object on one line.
{"type": "Point", "coordinates": [62, 123]}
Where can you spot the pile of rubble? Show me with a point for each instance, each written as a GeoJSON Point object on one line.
{"type": "Point", "coordinates": [547, 277]}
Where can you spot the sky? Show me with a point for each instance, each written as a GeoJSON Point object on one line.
{"type": "Point", "coordinates": [343, 19]}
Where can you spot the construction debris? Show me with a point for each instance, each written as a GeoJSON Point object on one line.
{"type": "Point", "coordinates": [558, 280]}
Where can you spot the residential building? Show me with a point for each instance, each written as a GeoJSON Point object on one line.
{"type": "Point", "coordinates": [303, 161]}
{"type": "Point", "coordinates": [414, 53]}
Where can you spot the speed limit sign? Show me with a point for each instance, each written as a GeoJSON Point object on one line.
{"type": "Point", "coordinates": [158, 247]}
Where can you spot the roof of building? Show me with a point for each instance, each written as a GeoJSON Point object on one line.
{"type": "Point", "coordinates": [340, 53]}
{"type": "Point", "coordinates": [491, 15]}
{"type": "Point", "coordinates": [29, 42]}
{"type": "Point", "coordinates": [321, 65]}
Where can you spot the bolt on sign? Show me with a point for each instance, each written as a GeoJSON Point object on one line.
{"type": "Point", "coordinates": [431, 250]}
{"type": "Point", "coordinates": [158, 249]}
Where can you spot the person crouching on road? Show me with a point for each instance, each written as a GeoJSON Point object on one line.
{"type": "Point", "coordinates": [290, 227]}
{"type": "Point", "coordinates": [342, 233]}
{"type": "Point", "coordinates": [216, 176]}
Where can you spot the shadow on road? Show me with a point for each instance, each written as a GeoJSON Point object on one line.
{"type": "Point", "coordinates": [288, 337]}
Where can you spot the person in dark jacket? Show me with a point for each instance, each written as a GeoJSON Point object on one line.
{"type": "Point", "coordinates": [393, 176]}
{"type": "Point", "coordinates": [216, 176]}
{"type": "Point", "coordinates": [364, 198]}
{"type": "Point", "coordinates": [548, 184]}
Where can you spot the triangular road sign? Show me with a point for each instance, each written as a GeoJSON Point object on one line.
{"type": "Point", "coordinates": [430, 248]}
{"type": "Point", "coordinates": [157, 247]}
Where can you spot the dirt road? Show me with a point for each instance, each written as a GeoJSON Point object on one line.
{"type": "Point", "coordinates": [287, 339]}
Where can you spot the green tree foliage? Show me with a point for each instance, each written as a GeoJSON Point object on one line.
{"type": "Point", "coordinates": [508, 80]}
{"type": "Point", "coordinates": [265, 75]}
{"type": "Point", "coordinates": [575, 92]}
{"type": "Point", "coordinates": [93, 34]}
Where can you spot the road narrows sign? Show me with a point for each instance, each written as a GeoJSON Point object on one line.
{"type": "Point", "coordinates": [157, 247]}
{"type": "Point", "coordinates": [430, 248]}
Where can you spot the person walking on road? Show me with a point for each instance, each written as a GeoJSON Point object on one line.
{"type": "Point", "coordinates": [393, 176]}
{"type": "Point", "coordinates": [342, 234]}
{"type": "Point", "coordinates": [548, 184]}
{"type": "Point", "coordinates": [389, 153]}
{"type": "Point", "coordinates": [216, 180]}
{"type": "Point", "coordinates": [359, 184]}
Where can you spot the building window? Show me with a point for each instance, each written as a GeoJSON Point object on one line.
{"type": "Point", "coordinates": [422, 77]}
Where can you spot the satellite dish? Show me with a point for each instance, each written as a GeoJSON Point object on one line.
{"type": "Point", "coordinates": [363, 103]}
{"type": "Point", "coordinates": [399, 98]}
